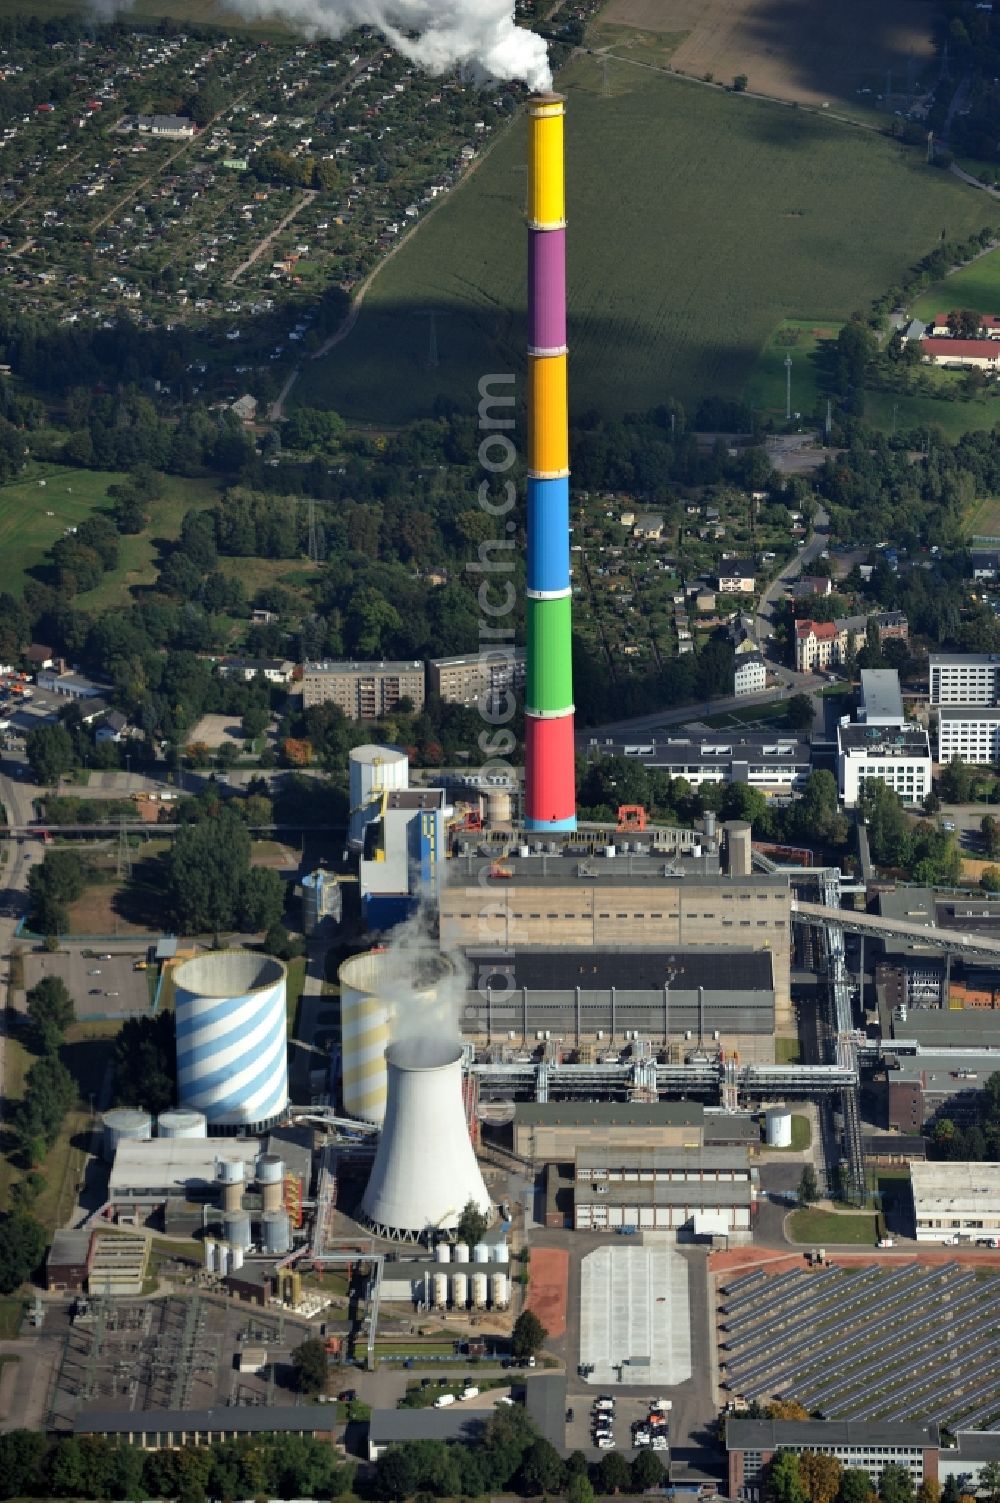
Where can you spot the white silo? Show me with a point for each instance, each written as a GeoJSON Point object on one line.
{"type": "Point", "coordinates": [210, 1258]}
{"type": "Point", "coordinates": [778, 1127]}
{"type": "Point", "coordinates": [460, 1290]}
{"type": "Point", "coordinates": [481, 1253]}
{"type": "Point", "coordinates": [372, 771]}
{"type": "Point", "coordinates": [270, 1174]}
{"type": "Point", "coordinates": [177, 1123]}
{"type": "Point", "coordinates": [231, 1038]}
{"type": "Point", "coordinates": [236, 1228]}
{"type": "Point", "coordinates": [442, 1252]}
{"type": "Point", "coordinates": [375, 989]}
{"type": "Point", "coordinates": [235, 1257]}
{"type": "Point", "coordinates": [439, 1291]}
{"type": "Point", "coordinates": [425, 1171]}
{"type": "Point", "coordinates": [222, 1258]}
{"type": "Point", "coordinates": [480, 1290]}
{"type": "Point", "coordinates": [125, 1124]}
{"type": "Point", "coordinates": [275, 1233]}
{"type": "Point", "coordinates": [501, 1252]}
{"type": "Point", "coordinates": [499, 1291]}
{"type": "Point", "coordinates": [229, 1182]}
{"type": "Point", "coordinates": [461, 1252]}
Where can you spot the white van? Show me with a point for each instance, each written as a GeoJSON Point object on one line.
{"type": "Point", "coordinates": [444, 1401]}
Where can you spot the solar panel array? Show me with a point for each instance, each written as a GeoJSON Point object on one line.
{"type": "Point", "coordinates": [910, 1342]}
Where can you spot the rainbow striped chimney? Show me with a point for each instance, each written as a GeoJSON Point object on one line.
{"type": "Point", "coordinates": [549, 773]}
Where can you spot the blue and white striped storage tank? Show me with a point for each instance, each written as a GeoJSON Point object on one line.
{"type": "Point", "coordinates": [232, 1052]}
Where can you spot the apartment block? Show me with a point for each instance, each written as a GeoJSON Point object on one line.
{"type": "Point", "coordinates": [476, 676]}
{"type": "Point", "coordinates": [364, 691]}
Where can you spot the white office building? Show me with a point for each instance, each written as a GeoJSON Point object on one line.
{"type": "Point", "coordinates": [969, 732]}
{"type": "Point", "coordinates": [970, 678]}
{"type": "Point", "coordinates": [882, 745]}
{"type": "Point", "coordinates": [955, 1200]}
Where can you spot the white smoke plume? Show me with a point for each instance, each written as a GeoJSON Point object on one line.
{"type": "Point", "coordinates": [414, 964]}
{"type": "Point", "coordinates": [437, 35]}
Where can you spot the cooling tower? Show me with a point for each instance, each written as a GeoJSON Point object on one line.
{"type": "Point", "coordinates": [231, 1048]}
{"type": "Point", "coordinates": [425, 1171]}
{"type": "Point", "coordinates": [375, 989]}
{"type": "Point", "coordinates": [549, 772]}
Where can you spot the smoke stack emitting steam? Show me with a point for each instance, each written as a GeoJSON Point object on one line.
{"type": "Point", "coordinates": [549, 770]}
{"type": "Point", "coordinates": [437, 35]}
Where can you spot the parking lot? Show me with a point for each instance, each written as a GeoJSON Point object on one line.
{"type": "Point", "coordinates": [866, 1343]}
{"type": "Point", "coordinates": [102, 986]}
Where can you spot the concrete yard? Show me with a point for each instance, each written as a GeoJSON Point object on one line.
{"type": "Point", "coordinates": [635, 1318]}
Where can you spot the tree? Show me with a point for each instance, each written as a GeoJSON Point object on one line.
{"type": "Point", "coordinates": [579, 1488]}
{"type": "Point", "coordinates": [472, 1224]}
{"type": "Point", "coordinates": [990, 828]}
{"type": "Point", "coordinates": [808, 1186]}
{"type": "Point", "coordinates": [855, 1486]}
{"type": "Point", "coordinates": [261, 899]}
{"type": "Point", "coordinates": [647, 1471]}
{"type": "Point", "coordinates": [785, 1479]}
{"type": "Point", "coordinates": [820, 1476]}
{"type": "Point", "coordinates": [799, 712]}
{"type": "Point", "coordinates": [895, 1484]}
{"type": "Point", "coordinates": [786, 1409]}
{"type": "Point", "coordinates": [205, 868]}
{"type": "Point", "coordinates": [309, 1364]}
{"type": "Point", "coordinates": [21, 1453]}
{"type": "Point", "coordinates": [528, 1335]}
{"type": "Point", "coordinates": [255, 722]}
{"type": "Point", "coordinates": [50, 753]}
{"type": "Point", "coordinates": [22, 1246]}
{"type": "Point", "coordinates": [542, 1469]}
{"type": "Point", "coordinates": [50, 1008]}
{"type": "Point", "coordinates": [614, 1475]}
{"type": "Point", "coordinates": [740, 83]}
{"type": "Point", "coordinates": [929, 1490]}
{"type": "Point", "coordinates": [989, 1481]}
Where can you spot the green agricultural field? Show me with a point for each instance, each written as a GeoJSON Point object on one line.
{"type": "Point", "coordinates": [699, 220]}
{"type": "Point", "coordinates": [27, 531]}
{"type": "Point", "coordinates": [806, 340]}
{"type": "Point", "coordinates": [976, 286]}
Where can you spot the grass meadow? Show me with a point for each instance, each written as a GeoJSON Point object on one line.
{"type": "Point", "coordinates": [27, 531]}
{"type": "Point", "coordinates": [698, 221]}
{"type": "Point", "coordinates": [976, 286]}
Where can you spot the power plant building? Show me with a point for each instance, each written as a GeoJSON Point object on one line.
{"type": "Point", "coordinates": [373, 771]}
{"type": "Point", "coordinates": [554, 1132]}
{"type": "Point", "coordinates": [231, 1039]}
{"type": "Point", "coordinates": [582, 902]}
{"type": "Point", "coordinates": [698, 1192]}
{"type": "Point", "coordinates": [404, 849]}
{"type": "Point", "coordinates": [619, 992]}
{"type": "Point", "coordinates": [145, 1176]}
{"type": "Point", "coordinates": [425, 1170]}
